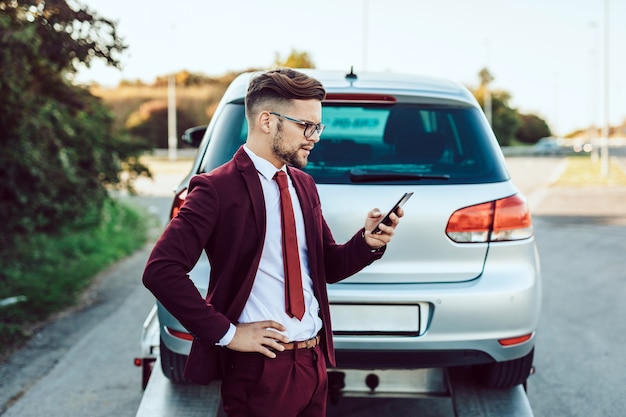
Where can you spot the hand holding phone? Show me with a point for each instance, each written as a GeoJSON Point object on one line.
{"type": "Point", "coordinates": [386, 220]}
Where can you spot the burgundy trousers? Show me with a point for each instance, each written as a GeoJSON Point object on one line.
{"type": "Point", "coordinates": [294, 384]}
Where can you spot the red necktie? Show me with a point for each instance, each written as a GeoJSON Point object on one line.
{"type": "Point", "coordinates": [294, 297]}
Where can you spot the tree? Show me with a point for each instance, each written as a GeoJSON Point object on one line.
{"type": "Point", "coordinates": [532, 128]}
{"type": "Point", "coordinates": [149, 122]}
{"type": "Point", "coordinates": [295, 60]}
{"type": "Point", "coordinates": [504, 119]}
{"type": "Point", "coordinates": [507, 123]}
{"type": "Point", "coordinates": [485, 77]}
{"type": "Point", "coordinates": [67, 37]}
{"type": "Point", "coordinates": [60, 154]}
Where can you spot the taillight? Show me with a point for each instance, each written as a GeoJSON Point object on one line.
{"type": "Point", "coordinates": [179, 334]}
{"type": "Point", "coordinates": [496, 221]}
{"type": "Point", "coordinates": [179, 200]}
{"type": "Point", "coordinates": [512, 341]}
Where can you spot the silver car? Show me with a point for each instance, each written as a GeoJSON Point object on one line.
{"type": "Point", "coordinates": [460, 283]}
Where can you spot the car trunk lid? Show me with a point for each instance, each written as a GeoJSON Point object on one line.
{"type": "Point", "coordinates": [421, 251]}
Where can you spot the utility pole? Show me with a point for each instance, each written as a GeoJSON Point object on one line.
{"type": "Point", "coordinates": [365, 33]}
{"type": "Point", "coordinates": [485, 79]}
{"type": "Point", "coordinates": [594, 54]}
{"type": "Point", "coordinates": [604, 154]}
{"type": "Point", "coordinates": [172, 140]}
{"type": "Point", "coordinates": [488, 106]}
{"type": "Point", "coordinates": [171, 117]}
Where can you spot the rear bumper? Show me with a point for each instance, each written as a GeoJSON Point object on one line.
{"type": "Point", "coordinates": [460, 323]}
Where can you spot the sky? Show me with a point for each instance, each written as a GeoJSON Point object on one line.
{"type": "Point", "coordinates": [549, 55]}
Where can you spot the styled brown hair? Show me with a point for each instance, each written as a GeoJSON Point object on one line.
{"type": "Point", "coordinates": [279, 86]}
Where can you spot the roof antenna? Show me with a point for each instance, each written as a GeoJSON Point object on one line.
{"type": "Point", "coordinates": [351, 75]}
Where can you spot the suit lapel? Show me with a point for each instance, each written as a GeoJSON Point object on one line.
{"type": "Point", "coordinates": [251, 178]}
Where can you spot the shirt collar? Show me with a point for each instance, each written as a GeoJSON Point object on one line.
{"type": "Point", "coordinates": [263, 166]}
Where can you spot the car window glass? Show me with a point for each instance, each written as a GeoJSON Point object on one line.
{"type": "Point", "coordinates": [227, 135]}
{"type": "Point", "coordinates": [388, 144]}
{"type": "Point", "coordinates": [432, 142]}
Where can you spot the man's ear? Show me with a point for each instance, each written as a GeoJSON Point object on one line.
{"type": "Point", "coordinates": [264, 120]}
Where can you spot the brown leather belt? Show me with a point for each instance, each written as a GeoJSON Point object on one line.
{"type": "Point", "coordinates": [305, 344]}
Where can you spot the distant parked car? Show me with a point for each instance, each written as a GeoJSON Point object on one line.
{"type": "Point", "coordinates": [460, 284]}
{"type": "Point", "coordinates": [582, 147]}
{"type": "Point", "coordinates": [548, 146]}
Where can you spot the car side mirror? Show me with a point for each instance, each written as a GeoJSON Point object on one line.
{"type": "Point", "coordinates": [193, 136]}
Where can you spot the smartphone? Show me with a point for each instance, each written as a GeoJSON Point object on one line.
{"type": "Point", "coordinates": [386, 219]}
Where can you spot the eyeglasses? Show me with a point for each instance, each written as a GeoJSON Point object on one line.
{"type": "Point", "coordinates": [309, 128]}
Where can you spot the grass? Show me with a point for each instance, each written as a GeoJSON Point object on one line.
{"type": "Point", "coordinates": [47, 273]}
{"type": "Point", "coordinates": [583, 171]}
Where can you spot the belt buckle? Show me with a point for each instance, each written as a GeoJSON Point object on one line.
{"type": "Point", "coordinates": [311, 343]}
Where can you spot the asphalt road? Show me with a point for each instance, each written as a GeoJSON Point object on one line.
{"type": "Point", "coordinates": [81, 364]}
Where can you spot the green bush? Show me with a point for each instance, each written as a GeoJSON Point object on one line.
{"type": "Point", "coordinates": [49, 271]}
{"type": "Point", "coordinates": [60, 153]}
{"type": "Point", "coordinates": [60, 158]}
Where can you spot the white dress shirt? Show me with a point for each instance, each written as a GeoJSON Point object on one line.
{"type": "Point", "coordinates": [267, 298]}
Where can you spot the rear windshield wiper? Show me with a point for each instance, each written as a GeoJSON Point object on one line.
{"type": "Point", "coordinates": [360, 175]}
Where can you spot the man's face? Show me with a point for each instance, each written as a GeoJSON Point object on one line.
{"type": "Point", "coordinates": [289, 143]}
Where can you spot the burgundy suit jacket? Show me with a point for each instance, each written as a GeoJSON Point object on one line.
{"type": "Point", "coordinates": [224, 215]}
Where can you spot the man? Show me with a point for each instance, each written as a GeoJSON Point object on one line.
{"type": "Point", "coordinates": [269, 345]}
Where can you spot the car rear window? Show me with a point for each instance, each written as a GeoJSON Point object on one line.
{"type": "Point", "coordinates": [390, 144]}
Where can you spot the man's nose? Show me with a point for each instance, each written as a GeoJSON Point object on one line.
{"type": "Point", "coordinates": [315, 137]}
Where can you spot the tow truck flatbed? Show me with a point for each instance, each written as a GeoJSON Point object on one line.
{"type": "Point", "coordinates": [464, 398]}
{"type": "Point", "coordinates": [164, 399]}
